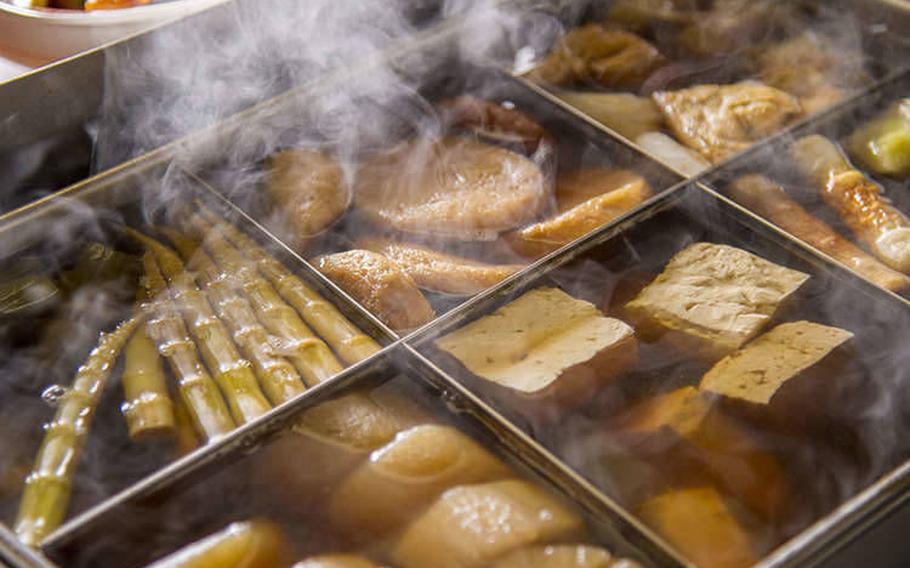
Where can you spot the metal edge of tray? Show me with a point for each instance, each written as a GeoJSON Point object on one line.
{"type": "Point", "coordinates": [16, 555]}
{"type": "Point", "coordinates": [798, 550]}
{"type": "Point", "coordinates": [556, 471]}
{"type": "Point", "coordinates": [847, 522]}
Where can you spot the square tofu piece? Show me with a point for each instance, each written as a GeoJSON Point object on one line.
{"type": "Point", "coordinates": [471, 525]}
{"type": "Point", "coordinates": [758, 371]}
{"type": "Point", "coordinates": [713, 298]}
{"type": "Point", "coordinates": [685, 434]}
{"type": "Point", "coordinates": [546, 344]}
{"type": "Point", "coordinates": [698, 523]}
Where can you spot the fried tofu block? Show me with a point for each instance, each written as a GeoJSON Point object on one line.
{"type": "Point", "coordinates": [336, 561]}
{"type": "Point", "coordinates": [327, 444]}
{"type": "Point", "coordinates": [380, 285]}
{"type": "Point", "coordinates": [698, 524]}
{"type": "Point", "coordinates": [545, 346]}
{"type": "Point", "coordinates": [712, 298]}
{"type": "Point", "coordinates": [688, 438]}
{"type": "Point", "coordinates": [557, 556]}
{"type": "Point", "coordinates": [406, 475]}
{"type": "Point", "coordinates": [585, 199]}
{"type": "Point", "coordinates": [472, 525]}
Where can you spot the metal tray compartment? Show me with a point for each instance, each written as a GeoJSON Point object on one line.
{"type": "Point", "coordinates": [874, 31]}
{"type": "Point", "coordinates": [44, 347]}
{"type": "Point", "coordinates": [270, 477]}
{"type": "Point", "coordinates": [372, 109]}
{"type": "Point", "coordinates": [773, 160]}
{"type": "Point", "coordinates": [857, 441]}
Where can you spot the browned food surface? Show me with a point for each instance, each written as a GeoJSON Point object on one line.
{"type": "Point", "coordinates": [452, 187]}
{"type": "Point", "coordinates": [380, 285]}
{"type": "Point", "coordinates": [771, 200]}
{"type": "Point", "coordinates": [493, 120]}
{"type": "Point", "coordinates": [308, 186]}
{"type": "Point", "coordinates": [597, 54]}
{"type": "Point", "coordinates": [585, 200]}
{"type": "Point", "coordinates": [562, 556]}
{"type": "Point", "coordinates": [721, 120]}
{"type": "Point", "coordinates": [856, 199]}
{"type": "Point", "coordinates": [440, 272]}
{"type": "Point", "coordinates": [810, 67]}
{"type": "Point", "coordinates": [336, 561]}
{"type": "Point", "coordinates": [257, 543]}
{"type": "Point", "coordinates": [698, 523]}
{"type": "Point", "coordinates": [732, 25]}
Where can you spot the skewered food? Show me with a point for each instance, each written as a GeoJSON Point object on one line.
{"type": "Point", "coordinates": [350, 343]}
{"type": "Point", "coordinates": [249, 544]}
{"type": "Point", "coordinates": [712, 298]}
{"type": "Point", "coordinates": [811, 68]}
{"type": "Point", "coordinates": [493, 121]}
{"type": "Point", "coordinates": [545, 346]}
{"type": "Point", "coordinates": [453, 188]}
{"type": "Point", "coordinates": [147, 406]}
{"type": "Point", "coordinates": [559, 556]}
{"type": "Point", "coordinates": [720, 120]}
{"type": "Point", "coordinates": [336, 561]}
{"type": "Point", "coordinates": [625, 113]}
{"type": "Point", "coordinates": [686, 435]}
{"type": "Point", "coordinates": [232, 372]}
{"type": "Point", "coordinates": [699, 524]}
{"type": "Point", "coordinates": [408, 474]}
{"type": "Point", "coordinates": [596, 54]}
{"type": "Point", "coordinates": [585, 200]}
{"type": "Point", "coordinates": [46, 496]}
{"type": "Point", "coordinates": [757, 372]}
{"type": "Point", "coordinates": [472, 525]}
{"type": "Point", "coordinates": [883, 145]}
{"type": "Point", "coordinates": [856, 199]}
{"type": "Point", "coordinates": [380, 285]}
{"type": "Point", "coordinates": [201, 397]}
{"type": "Point", "coordinates": [440, 272]}
{"type": "Point", "coordinates": [279, 378]}
{"type": "Point", "coordinates": [309, 354]}
{"type": "Point", "coordinates": [771, 200]}
{"type": "Point", "coordinates": [673, 153]}
{"type": "Point", "coordinates": [309, 188]}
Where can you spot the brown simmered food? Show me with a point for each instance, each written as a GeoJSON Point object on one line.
{"type": "Point", "coordinates": [685, 434]}
{"type": "Point", "coordinates": [308, 186]}
{"type": "Point", "coordinates": [585, 200]}
{"type": "Point", "coordinates": [597, 54]}
{"type": "Point", "coordinates": [257, 543]}
{"type": "Point", "coordinates": [336, 561]}
{"type": "Point", "coordinates": [856, 199]}
{"type": "Point", "coordinates": [472, 525]}
{"type": "Point", "coordinates": [731, 25]}
{"type": "Point", "coordinates": [406, 475]}
{"type": "Point", "coordinates": [560, 556]}
{"type": "Point", "coordinates": [771, 200]}
{"type": "Point", "coordinates": [713, 298]}
{"type": "Point", "coordinates": [810, 67]}
{"type": "Point", "coordinates": [721, 120]}
{"type": "Point", "coordinates": [440, 272]}
{"type": "Point", "coordinates": [380, 285]}
{"type": "Point", "coordinates": [495, 121]}
{"type": "Point", "coordinates": [698, 523]}
{"type": "Point", "coordinates": [455, 188]}
{"type": "Point", "coordinates": [545, 346]}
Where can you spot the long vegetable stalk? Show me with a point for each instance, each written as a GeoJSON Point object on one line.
{"type": "Point", "coordinates": [351, 344]}
{"type": "Point", "coordinates": [199, 393]}
{"type": "Point", "coordinates": [48, 487]}
{"type": "Point", "coordinates": [232, 372]}
{"type": "Point", "coordinates": [279, 379]}
{"type": "Point", "coordinates": [148, 408]}
{"type": "Point", "coordinates": [308, 353]}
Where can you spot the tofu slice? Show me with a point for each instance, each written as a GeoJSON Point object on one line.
{"type": "Point", "coordinates": [698, 524]}
{"type": "Point", "coordinates": [557, 556]}
{"type": "Point", "coordinates": [758, 371]}
{"type": "Point", "coordinates": [406, 475]}
{"type": "Point", "coordinates": [472, 525]}
{"type": "Point", "coordinates": [713, 298]}
{"type": "Point", "coordinates": [691, 441]}
{"type": "Point", "coordinates": [545, 345]}
{"type": "Point", "coordinates": [336, 561]}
